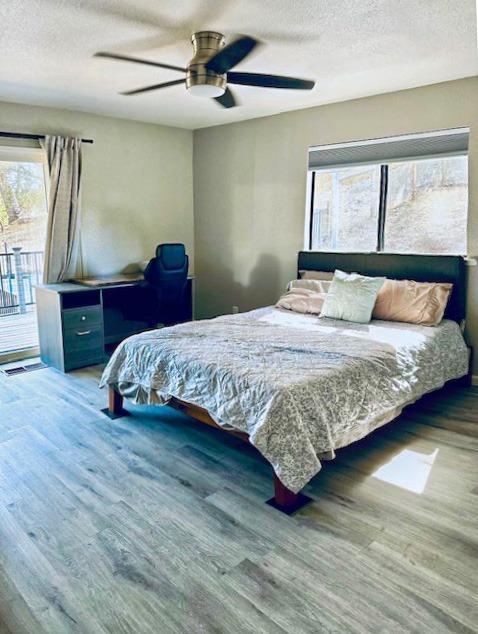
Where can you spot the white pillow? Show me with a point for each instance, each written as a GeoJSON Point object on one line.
{"type": "Point", "coordinates": [351, 297]}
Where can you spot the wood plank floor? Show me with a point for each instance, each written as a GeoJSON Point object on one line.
{"type": "Point", "coordinates": [153, 524]}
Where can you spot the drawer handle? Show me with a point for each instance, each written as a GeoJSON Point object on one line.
{"type": "Point", "coordinates": [83, 318]}
{"type": "Point", "coordinates": [85, 332]}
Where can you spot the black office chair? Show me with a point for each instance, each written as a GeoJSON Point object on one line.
{"type": "Point", "coordinates": [167, 276]}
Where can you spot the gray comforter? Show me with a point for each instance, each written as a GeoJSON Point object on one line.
{"type": "Point", "coordinates": [300, 386]}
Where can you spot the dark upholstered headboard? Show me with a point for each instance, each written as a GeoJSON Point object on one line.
{"type": "Point", "coordinates": [422, 268]}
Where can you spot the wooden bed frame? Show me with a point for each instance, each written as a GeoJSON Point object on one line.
{"type": "Point", "coordinates": [284, 499]}
{"type": "Point", "coordinates": [424, 268]}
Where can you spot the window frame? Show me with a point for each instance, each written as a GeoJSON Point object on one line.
{"type": "Point", "coordinates": [382, 202]}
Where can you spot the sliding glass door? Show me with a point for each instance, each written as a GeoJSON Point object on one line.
{"type": "Point", "coordinates": [23, 221]}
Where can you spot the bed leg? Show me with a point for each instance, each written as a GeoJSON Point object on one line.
{"type": "Point", "coordinates": [115, 407]}
{"type": "Point", "coordinates": [286, 500]}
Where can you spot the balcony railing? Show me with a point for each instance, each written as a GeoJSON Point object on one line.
{"type": "Point", "coordinates": [19, 272]}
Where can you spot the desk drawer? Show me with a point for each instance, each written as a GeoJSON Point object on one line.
{"type": "Point", "coordinates": [82, 318]}
{"type": "Point", "coordinates": [83, 339]}
{"type": "Point", "coordinates": [83, 358]}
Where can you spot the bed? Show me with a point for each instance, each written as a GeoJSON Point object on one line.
{"type": "Point", "coordinates": [298, 387]}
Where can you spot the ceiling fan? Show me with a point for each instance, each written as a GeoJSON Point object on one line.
{"type": "Point", "coordinates": [209, 71]}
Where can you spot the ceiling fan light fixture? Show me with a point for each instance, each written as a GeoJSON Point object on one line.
{"type": "Point", "coordinates": [206, 90]}
{"type": "Point", "coordinates": [209, 71]}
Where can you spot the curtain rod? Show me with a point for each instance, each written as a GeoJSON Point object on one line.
{"type": "Point", "coordinates": [21, 135]}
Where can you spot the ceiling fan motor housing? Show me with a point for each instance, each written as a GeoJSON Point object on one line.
{"type": "Point", "coordinates": [200, 80]}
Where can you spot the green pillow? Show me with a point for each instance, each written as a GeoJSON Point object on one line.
{"type": "Point", "coordinates": [351, 297]}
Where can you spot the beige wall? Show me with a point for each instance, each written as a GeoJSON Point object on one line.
{"type": "Point", "coordinates": [250, 185]}
{"type": "Point", "coordinates": [137, 182]}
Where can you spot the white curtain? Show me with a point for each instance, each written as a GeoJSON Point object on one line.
{"type": "Point", "coordinates": [62, 240]}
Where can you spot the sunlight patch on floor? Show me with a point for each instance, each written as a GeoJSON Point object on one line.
{"type": "Point", "coordinates": [408, 470]}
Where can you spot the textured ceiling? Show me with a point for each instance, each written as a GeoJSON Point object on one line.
{"type": "Point", "coordinates": [352, 48]}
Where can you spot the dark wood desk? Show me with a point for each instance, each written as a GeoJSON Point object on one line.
{"type": "Point", "coordinates": [80, 325]}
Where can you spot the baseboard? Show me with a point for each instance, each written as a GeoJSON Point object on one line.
{"type": "Point", "coordinates": [474, 380]}
{"type": "Point", "coordinates": [19, 355]}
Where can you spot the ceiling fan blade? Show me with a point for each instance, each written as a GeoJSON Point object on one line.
{"type": "Point", "coordinates": [270, 81]}
{"type": "Point", "coordinates": [126, 58]}
{"type": "Point", "coordinates": [227, 100]}
{"type": "Point", "coordinates": [154, 87]}
{"type": "Point", "coordinates": [232, 54]}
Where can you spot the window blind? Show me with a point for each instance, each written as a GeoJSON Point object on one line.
{"type": "Point", "coordinates": [386, 150]}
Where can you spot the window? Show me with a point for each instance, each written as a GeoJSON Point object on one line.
{"type": "Point", "coordinates": [427, 205]}
{"type": "Point", "coordinates": [416, 205]}
{"type": "Point", "coordinates": [345, 213]}
{"type": "Point", "coordinates": [23, 205]}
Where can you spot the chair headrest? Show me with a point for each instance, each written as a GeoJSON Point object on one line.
{"type": "Point", "coordinates": [172, 255]}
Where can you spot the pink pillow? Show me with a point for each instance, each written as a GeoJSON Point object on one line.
{"type": "Point", "coordinates": [412, 302]}
{"type": "Point", "coordinates": [317, 275]}
{"type": "Point", "coordinates": [302, 300]}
